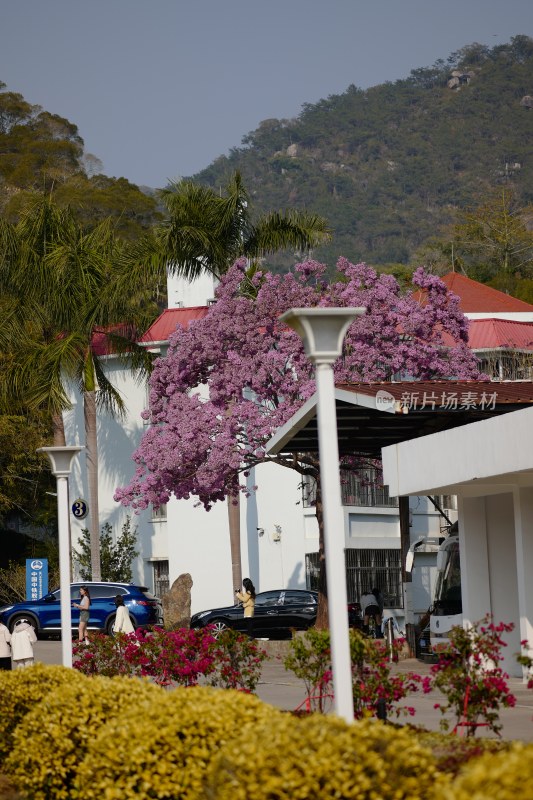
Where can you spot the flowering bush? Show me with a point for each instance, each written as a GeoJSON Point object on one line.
{"type": "Point", "coordinates": [104, 655]}
{"type": "Point", "coordinates": [372, 680]}
{"type": "Point", "coordinates": [469, 676]}
{"type": "Point", "coordinates": [178, 657]}
{"type": "Point", "coordinates": [237, 663]}
{"type": "Point", "coordinates": [310, 659]}
{"type": "Point", "coordinates": [181, 656]}
{"type": "Point", "coordinates": [524, 658]}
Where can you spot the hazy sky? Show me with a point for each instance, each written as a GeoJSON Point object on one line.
{"type": "Point", "coordinates": [160, 88]}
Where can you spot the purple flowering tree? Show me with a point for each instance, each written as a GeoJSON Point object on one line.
{"type": "Point", "coordinates": [257, 374]}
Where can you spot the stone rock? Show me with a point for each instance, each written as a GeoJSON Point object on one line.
{"type": "Point", "coordinates": [177, 603]}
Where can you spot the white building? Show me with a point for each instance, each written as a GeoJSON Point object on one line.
{"type": "Point", "coordinates": [489, 466]}
{"type": "Point", "coordinates": [279, 532]}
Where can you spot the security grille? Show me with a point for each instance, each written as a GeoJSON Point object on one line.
{"type": "Point", "coordinates": [366, 569]}
{"type": "Point", "coordinates": [161, 578]}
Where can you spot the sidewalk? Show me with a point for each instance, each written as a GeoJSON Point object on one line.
{"type": "Point", "coordinates": [283, 690]}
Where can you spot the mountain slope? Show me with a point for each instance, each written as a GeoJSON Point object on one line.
{"type": "Point", "coordinates": [390, 166]}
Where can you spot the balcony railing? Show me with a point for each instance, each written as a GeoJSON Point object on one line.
{"type": "Point", "coordinates": [357, 489]}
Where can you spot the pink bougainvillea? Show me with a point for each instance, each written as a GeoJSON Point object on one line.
{"type": "Point", "coordinates": [231, 379]}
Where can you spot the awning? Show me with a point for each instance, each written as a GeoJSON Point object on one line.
{"type": "Point", "coordinates": [375, 415]}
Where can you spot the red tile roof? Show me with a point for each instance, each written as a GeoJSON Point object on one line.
{"type": "Point", "coordinates": [166, 324]}
{"type": "Point", "coordinates": [101, 344]}
{"type": "Point", "coordinates": [492, 334]}
{"type": "Point", "coordinates": [476, 297]}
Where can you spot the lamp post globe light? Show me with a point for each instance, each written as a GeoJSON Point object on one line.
{"type": "Point", "coordinates": [61, 462]}
{"type": "Point", "coordinates": [322, 331]}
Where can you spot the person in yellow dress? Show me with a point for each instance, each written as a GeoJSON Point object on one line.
{"type": "Point", "coordinates": [247, 598]}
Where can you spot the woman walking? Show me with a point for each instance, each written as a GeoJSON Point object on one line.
{"type": "Point", "coordinates": [83, 605]}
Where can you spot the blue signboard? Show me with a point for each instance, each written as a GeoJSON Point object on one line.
{"type": "Point", "coordinates": [36, 578]}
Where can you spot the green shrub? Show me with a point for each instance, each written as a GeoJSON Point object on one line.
{"type": "Point", "coordinates": [452, 753]}
{"type": "Point", "coordinates": [503, 776]}
{"type": "Point", "coordinates": [51, 741]}
{"type": "Point", "coordinates": [21, 690]}
{"type": "Point", "coordinates": [7, 789]}
{"type": "Point", "coordinates": [323, 757]}
{"type": "Point", "coordinates": [164, 751]}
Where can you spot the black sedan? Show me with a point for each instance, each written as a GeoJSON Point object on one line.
{"type": "Point", "coordinates": [277, 612]}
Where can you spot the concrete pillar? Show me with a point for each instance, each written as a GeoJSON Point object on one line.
{"type": "Point", "coordinates": [523, 514]}
{"type": "Point", "coordinates": [473, 547]}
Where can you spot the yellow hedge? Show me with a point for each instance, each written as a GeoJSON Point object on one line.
{"type": "Point", "coordinates": [51, 741]}
{"type": "Point", "coordinates": [323, 757]}
{"type": "Point", "coordinates": [164, 751]}
{"type": "Point", "coordinates": [21, 690]}
{"type": "Point", "coordinates": [503, 776]}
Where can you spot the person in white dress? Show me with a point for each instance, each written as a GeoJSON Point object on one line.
{"type": "Point", "coordinates": [22, 641]}
{"type": "Point", "coordinates": [5, 647]}
{"type": "Point", "coordinates": [123, 623]}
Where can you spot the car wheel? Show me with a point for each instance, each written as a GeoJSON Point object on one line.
{"type": "Point", "coordinates": [13, 621]}
{"type": "Point", "coordinates": [109, 626]}
{"type": "Point", "coordinates": [218, 626]}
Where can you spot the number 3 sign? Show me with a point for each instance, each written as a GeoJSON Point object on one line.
{"type": "Point", "coordinates": [79, 508]}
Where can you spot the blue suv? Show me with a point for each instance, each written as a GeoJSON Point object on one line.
{"type": "Point", "coordinates": [45, 614]}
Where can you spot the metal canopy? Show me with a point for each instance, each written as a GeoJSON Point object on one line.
{"type": "Point", "coordinates": [374, 415]}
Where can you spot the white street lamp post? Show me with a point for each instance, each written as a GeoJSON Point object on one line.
{"type": "Point", "coordinates": [322, 331]}
{"type": "Point", "coordinates": [61, 462]}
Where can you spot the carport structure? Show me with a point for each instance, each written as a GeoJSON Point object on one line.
{"type": "Point", "coordinates": [442, 437]}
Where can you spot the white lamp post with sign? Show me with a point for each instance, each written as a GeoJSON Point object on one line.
{"type": "Point", "coordinates": [61, 462]}
{"type": "Point", "coordinates": [322, 331]}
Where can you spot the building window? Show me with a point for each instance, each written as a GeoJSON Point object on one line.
{"type": "Point", "coordinates": [161, 579]}
{"type": "Point", "coordinates": [159, 514]}
{"type": "Point", "coordinates": [365, 569]}
{"type": "Point", "coordinates": [361, 488]}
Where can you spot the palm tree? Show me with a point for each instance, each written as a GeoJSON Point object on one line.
{"type": "Point", "coordinates": [64, 277]}
{"type": "Point", "coordinates": [206, 232]}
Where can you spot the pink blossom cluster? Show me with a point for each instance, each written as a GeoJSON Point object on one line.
{"type": "Point", "coordinates": [179, 657]}
{"type": "Point", "coordinates": [231, 379]}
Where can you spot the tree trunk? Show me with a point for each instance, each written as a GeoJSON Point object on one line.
{"type": "Point", "coordinates": [58, 428]}
{"type": "Point", "coordinates": [322, 618]}
{"type": "Point", "coordinates": [89, 410]}
{"type": "Point", "coordinates": [234, 520]}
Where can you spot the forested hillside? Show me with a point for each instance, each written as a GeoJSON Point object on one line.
{"type": "Point", "coordinates": [391, 166]}
{"type": "Point", "coordinates": [41, 151]}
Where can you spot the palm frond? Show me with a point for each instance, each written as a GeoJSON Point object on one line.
{"type": "Point", "coordinates": [280, 230]}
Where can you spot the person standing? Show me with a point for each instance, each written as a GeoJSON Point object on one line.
{"type": "Point", "coordinates": [22, 641]}
{"type": "Point", "coordinates": [247, 598]}
{"type": "Point", "coordinates": [122, 623]}
{"type": "Point", "coordinates": [5, 647]}
{"type": "Point", "coordinates": [83, 605]}
{"type": "Point", "coordinates": [370, 608]}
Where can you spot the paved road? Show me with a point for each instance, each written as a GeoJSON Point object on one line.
{"type": "Point", "coordinates": [283, 690]}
